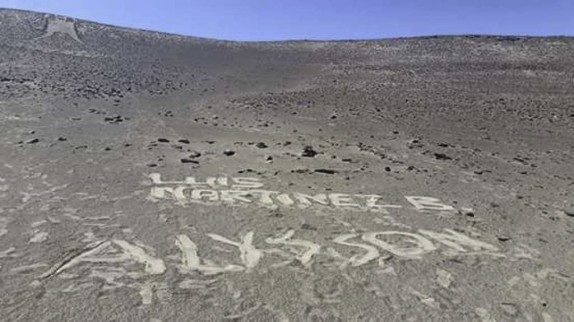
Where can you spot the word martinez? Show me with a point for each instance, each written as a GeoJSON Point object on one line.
{"type": "Point", "coordinates": [242, 191]}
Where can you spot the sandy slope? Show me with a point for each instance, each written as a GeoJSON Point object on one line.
{"type": "Point", "coordinates": [147, 177]}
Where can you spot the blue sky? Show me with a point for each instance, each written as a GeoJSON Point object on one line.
{"type": "Point", "coordinates": [321, 19]}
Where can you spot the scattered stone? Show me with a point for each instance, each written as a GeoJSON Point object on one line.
{"type": "Point", "coordinates": [114, 119]}
{"type": "Point", "coordinates": [184, 141]}
{"type": "Point", "coordinates": [229, 152]}
{"type": "Point", "coordinates": [569, 211]}
{"type": "Point", "coordinates": [520, 160]}
{"type": "Point", "coordinates": [503, 238]}
{"type": "Point", "coordinates": [269, 159]}
{"type": "Point", "coordinates": [163, 140]}
{"type": "Point", "coordinates": [261, 145]}
{"type": "Point", "coordinates": [152, 165]}
{"type": "Point", "coordinates": [62, 139]}
{"type": "Point", "coordinates": [194, 154]}
{"type": "Point", "coordinates": [442, 156]}
{"type": "Point", "coordinates": [388, 169]}
{"type": "Point", "coordinates": [308, 227]}
{"type": "Point", "coordinates": [108, 148]}
{"type": "Point", "coordinates": [185, 160]}
{"type": "Point", "coordinates": [326, 171]}
{"type": "Point", "coordinates": [33, 141]}
{"type": "Point", "coordinates": [466, 212]}
{"type": "Point", "coordinates": [309, 152]}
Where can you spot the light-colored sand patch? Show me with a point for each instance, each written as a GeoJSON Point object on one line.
{"type": "Point", "coordinates": [443, 278]}
{"type": "Point", "coordinates": [63, 26]}
{"type": "Point", "coordinates": [39, 237]}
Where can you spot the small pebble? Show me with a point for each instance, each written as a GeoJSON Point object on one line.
{"type": "Point", "coordinates": [503, 238]}
{"type": "Point", "coordinates": [189, 161]}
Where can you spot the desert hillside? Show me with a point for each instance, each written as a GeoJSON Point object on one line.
{"type": "Point", "coordinates": [155, 177]}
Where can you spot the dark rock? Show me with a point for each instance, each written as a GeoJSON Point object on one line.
{"type": "Point", "coordinates": [309, 152]}
{"type": "Point", "coordinates": [152, 165]}
{"type": "Point", "coordinates": [261, 145]}
{"type": "Point", "coordinates": [114, 119]}
{"type": "Point", "coordinates": [569, 211]}
{"type": "Point", "coordinates": [189, 161]}
{"type": "Point", "coordinates": [33, 141]}
{"type": "Point", "coordinates": [327, 171]}
{"type": "Point", "coordinates": [163, 140]}
{"type": "Point", "coordinates": [229, 153]}
{"type": "Point", "coordinates": [442, 156]}
{"type": "Point", "coordinates": [62, 139]}
{"type": "Point", "coordinates": [194, 154]}
{"type": "Point", "coordinates": [388, 169]}
{"type": "Point", "coordinates": [184, 141]}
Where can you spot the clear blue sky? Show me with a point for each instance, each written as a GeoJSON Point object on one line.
{"type": "Point", "coordinates": [320, 19]}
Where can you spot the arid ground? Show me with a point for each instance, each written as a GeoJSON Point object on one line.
{"type": "Point", "coordinates": [155, 177]}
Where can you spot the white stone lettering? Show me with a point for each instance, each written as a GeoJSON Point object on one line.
{"type": "Point", "coordinates": [199, 194]}
{"type": "Point", "coordinates": [342, 200]}
{"type": "Point", "coordinates": [235, 195]}
{"type": "Point", "coordinates": [307, 200]}
{"type": "Point", "coordinates": [457, 240]}
{"type": "Point", "coordinates": [303, 257]}
{"type": "Point", "coordinates": [428, 203]}
{"type": "Point", "coordinates": [357, 260]}
{"type": "Point", "coordinates": [246, 183]}
{"type": "Point", "coordinates": [249, 255]}
{"type": "Point", "coordinates": [422, 245]}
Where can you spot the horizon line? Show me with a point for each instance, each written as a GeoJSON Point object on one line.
{"type": "Point", "coordinates": [424, 36]}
